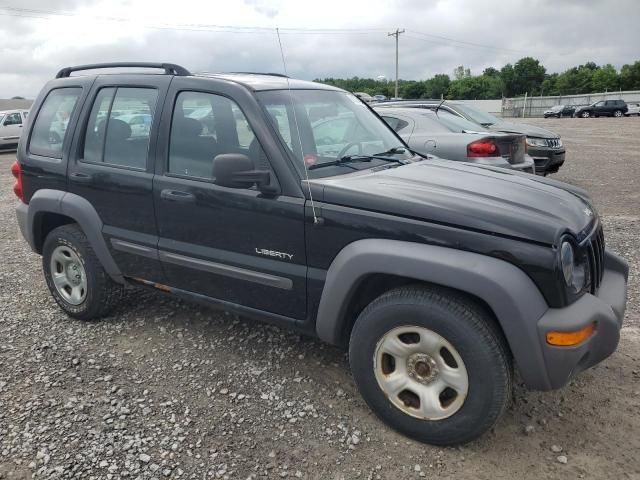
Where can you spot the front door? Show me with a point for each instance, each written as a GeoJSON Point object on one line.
{"type": "Point", "coordinates": [111, 166]}
{"type": "Point", "coordinates": [235, 245]}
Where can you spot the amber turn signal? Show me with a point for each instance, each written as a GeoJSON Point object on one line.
{"type": "Point", "coordinates": [567, 339]}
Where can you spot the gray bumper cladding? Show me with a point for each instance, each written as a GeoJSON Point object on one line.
{"type": "Point", "coordinates": [604, 310]}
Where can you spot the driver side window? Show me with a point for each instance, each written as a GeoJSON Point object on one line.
{"type": "Point", "coordinates": [204, 126]}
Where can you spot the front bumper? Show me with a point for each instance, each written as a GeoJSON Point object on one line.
{"type": "Point", "coordinates": [605, 310]}
{"type": "Point", "coordinates": [547, 159]}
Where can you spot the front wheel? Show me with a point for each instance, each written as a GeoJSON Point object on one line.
{"type": "Point", "coordinates": [74, 275]}
{"type": "Point", "coordinates": [432, 364]}
{"type": "Point", "coordinates": [585, 114]}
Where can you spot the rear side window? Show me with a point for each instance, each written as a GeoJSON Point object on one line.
{"type": "Point", "coordinates": [51, 123]}
{"type": "Point", "coordinates": [119, 127]}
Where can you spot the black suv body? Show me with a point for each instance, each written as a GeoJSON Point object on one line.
{"type": "Point", "coordinates": [603, 108]}
{"type": "Point", "coordinates": [439, 276]}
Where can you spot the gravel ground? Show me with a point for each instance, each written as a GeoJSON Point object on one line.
{"type": "Point", "coordinates": [163, 389]}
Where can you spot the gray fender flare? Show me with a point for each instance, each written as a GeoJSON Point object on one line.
{"type": "Point", "coordinates": [510, 293]}
{"type": "Point", "coordinates": [82, 212]}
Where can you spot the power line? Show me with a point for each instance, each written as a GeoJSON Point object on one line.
{"type": "Point", "coordinates": [461, 42]}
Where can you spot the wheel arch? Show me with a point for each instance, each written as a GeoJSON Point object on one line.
{"type": "Point", "coordinates": [49, 209]}
{"type": "Point", "coordinates": [368, 267]}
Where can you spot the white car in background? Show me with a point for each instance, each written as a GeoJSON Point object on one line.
{"type": "Point", "coordinates": [11, 122]}
{"type": "Point", "coordinates": [634, 109]}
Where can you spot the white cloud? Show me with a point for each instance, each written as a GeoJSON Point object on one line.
{"type": "Point", "coordinates": [560, 34]}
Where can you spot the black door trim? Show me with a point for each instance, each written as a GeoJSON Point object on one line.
{"type": "Point", "coordinates": [134, 248]}
{"type": "Point", "coordinates": [227, 270]}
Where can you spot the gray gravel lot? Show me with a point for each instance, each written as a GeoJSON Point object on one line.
{"type": "Point", "coordinates": [164, 389]}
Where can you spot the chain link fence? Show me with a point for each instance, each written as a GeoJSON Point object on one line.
{"type": "Point", "coordinates": [536, 106]}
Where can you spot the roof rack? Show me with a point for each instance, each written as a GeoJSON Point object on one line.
{"type": "Point", "coordinates": [169, 68]}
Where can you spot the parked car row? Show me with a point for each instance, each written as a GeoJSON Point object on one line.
{"type": "Point", "coordinates": [602, 108]}
{"type": "Point", "coordinates": [544, 147]}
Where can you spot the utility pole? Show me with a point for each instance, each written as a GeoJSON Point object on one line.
{"type": "Point", "coordinates": [397, 35]}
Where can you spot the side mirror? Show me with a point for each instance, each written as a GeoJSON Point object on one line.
{"type": "Point", "coordinates": [235, 170]}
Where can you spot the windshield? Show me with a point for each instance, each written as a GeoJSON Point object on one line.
{"type": "Point", "coordinates": [475, 115]}
{"type": "Point", "coordinates": [332, 125]}
{"type": "Point", "coordinates": [1, 117]}
{"type": "Point", "coordinates": [457, 124]}
{"type": "Point", "coordinates": [557, 108]}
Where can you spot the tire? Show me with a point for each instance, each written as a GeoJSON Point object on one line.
{"type": "Point", "coordinates": [585, 114]}
{"type": "Point", "coordinates": [88, 293]}
{"type": "Point", "coordinates": [617, 113]}
{"type": "Point", "coordinates": [473, 342]}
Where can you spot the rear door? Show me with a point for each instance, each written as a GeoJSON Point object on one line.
{"type": "Point", "coordinates": [111, 166]}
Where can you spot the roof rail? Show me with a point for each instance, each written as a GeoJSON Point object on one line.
{"type": "Point", "coordinates": [260, 73]}
{"type": "Point", "coordinates": [169, 68]}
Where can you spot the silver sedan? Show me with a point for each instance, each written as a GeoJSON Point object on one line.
{"type": "Point", "coordinates": [451, 137]}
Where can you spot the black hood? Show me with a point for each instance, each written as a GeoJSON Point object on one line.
{"type": "Point", "coordinates": [492, 200]}
{"type": "Point", "coordinates": [523, 128]}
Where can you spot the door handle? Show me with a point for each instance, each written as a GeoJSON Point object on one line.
{"type": "Point", "coordinates": [177, 196]}
{"type": "Point", "coordinates": [78, 177]}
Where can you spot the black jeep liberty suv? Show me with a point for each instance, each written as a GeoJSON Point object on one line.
{"type": "Point", "coordinates": [236, 191]}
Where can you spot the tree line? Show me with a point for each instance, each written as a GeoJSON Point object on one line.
{"type": "Point", "coordinates": [526, 75]}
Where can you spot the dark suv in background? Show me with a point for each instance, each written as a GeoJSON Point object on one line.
{"type": "Point", "coordinates": [544, 146]}
{"type": "Point", "coordinates": [603, 108]}
{"type": "Point", "coordinates": [439, 277]}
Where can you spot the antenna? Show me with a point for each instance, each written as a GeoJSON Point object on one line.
{"type": "Point", "coordinates": [438, 106]}
{"type": "Point", "coordinates": [295, 120]}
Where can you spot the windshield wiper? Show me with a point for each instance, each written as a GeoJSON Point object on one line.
{"type": "Point", "coordinates": [486, 124]}
{"type": "Point", "coordinates": [392, 151]}
{"type": "Point", "coordinates": [362, 158]}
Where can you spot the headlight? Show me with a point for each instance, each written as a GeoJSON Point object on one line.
{"type": "Point", "coordinates": [536, 142]}
{"type": "Point", "coordinates": [574, 271]}
{"type": "Point", "coordinates": [559, 144]}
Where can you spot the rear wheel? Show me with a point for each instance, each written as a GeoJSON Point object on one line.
{"type": "Point", "coordinates": [74, 275]}
{"type": "Point", "coordinates": [585, 114]}
{"type": "Point", "coordinates": [617, 113]}
{"type": "Point", "coordinates": [431, 364]}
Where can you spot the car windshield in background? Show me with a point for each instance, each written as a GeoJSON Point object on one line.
{"type": "Point", "coordinates": [557, 108]}
{"type": "Point", "coordinates": [333, 126]}
{"type": "Point", "coordinates": [478, 116]}
{"type": "Point", "coordinates": [1, 117]}
{"type": "Point", "coordinates": [457, 124]}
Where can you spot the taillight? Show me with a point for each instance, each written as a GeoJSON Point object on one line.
{"type": "Point", "coordinates": [486, 147]}
{"type": "Point", "coordinates": [17, 187]}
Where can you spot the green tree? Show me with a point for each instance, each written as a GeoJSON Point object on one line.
{"type": "Point", "coordinates": [508, 79]}
{"type": "Point", "coordinates": [605, 78]}
{"type": "Point", "coordinates": [630, 76]}
{"type": "Point", "coordinates": [460, 72]}
{"type": "Point", "coordinates": [528, 75]}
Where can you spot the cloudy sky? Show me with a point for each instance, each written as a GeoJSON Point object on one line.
{"type": "Point", "coordinates": [323, 38]}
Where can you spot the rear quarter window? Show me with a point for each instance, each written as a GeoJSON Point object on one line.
{"type": "Point", "coordinates": [50, 127]}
